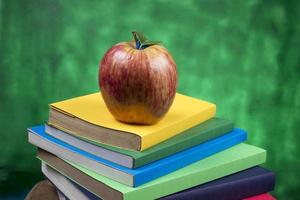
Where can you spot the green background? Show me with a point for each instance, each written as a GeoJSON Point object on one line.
{"type": "Point", "coordinates": [241, 55]}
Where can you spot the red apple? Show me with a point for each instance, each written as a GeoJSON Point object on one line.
{"type": "Point", "coordinates": [138, 80]}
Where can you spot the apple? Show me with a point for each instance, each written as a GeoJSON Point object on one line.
{"type": "Point", "coordinates": [138, 80]}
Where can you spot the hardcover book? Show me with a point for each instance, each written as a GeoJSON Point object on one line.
{"type": "Point", "coordinates": [261, 197]}
{"type": "Point", "coordinates": [141, 175]}
{"type": "Point", "coordinates": [232, 160]}
{"type": "Point", "coordinates": [132, 159]}
{"type": "Point", "coordinates": [88, 117]}
{"type": "Point", "coordinates": [247, 183]}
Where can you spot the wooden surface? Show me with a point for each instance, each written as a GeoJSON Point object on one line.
{"type": "Point", "coordinates": [43, 190]}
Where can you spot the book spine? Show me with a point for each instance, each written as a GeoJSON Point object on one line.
{"type": "Point", "coordinates": [239, 189]}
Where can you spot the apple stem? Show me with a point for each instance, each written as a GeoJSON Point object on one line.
{"type": "Point", "coordinates": [137, 40]}
{"type": "Point", "coordinates": [141, 42]}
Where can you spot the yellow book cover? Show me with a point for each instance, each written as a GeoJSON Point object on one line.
{"type": "Point", "coordinates": [184, 113]}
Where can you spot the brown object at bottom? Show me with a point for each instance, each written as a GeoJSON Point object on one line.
{"type": "Point", "coordinates": [43, 190]}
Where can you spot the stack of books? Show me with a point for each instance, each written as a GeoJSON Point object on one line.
{"type": "Point", "coordinates": [189, 154]}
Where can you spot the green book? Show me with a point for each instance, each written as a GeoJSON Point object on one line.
{"type": "Point", "coordinates": [232, 160]}
{"type": "Point", "coordinates": [133, 159]}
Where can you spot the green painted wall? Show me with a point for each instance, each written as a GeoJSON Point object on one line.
{"type": "Point", "coordinates": [242, 55]}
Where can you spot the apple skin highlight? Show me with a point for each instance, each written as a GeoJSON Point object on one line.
{"type": "Point", "coordinates": [138, 85]}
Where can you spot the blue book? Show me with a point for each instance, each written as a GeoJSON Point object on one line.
{"type": "Point", "coordinates": [134, 177]}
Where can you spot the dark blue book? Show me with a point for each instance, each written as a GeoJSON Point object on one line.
{"type": "Point", "coordinates": [247, 183]}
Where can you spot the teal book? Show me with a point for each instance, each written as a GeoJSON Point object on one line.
{"type": "Point", "coordinates": [230, 161]}
{"type": "Point", "coordinates": [133, 159]}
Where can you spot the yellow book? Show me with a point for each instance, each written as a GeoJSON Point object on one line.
{"type": "Point", "coordinates": [88, 118]}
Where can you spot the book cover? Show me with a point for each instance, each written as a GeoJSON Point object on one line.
{"type": "Point", "coordinates": [261, 197]}
{"type": "Point", "coordinates": [133, 159]}
{"type": "Point", "coordinates": [141, 175]}
{"type": "Point", "coordinates": [247, 183]}
{"type": "Point", "coordinates": [232, 160]}
{"type": "Point", "coordinates": [88, 117]}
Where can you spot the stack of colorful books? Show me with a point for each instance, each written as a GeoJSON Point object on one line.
{"type": "Point", "coordinates": [189, 154]}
